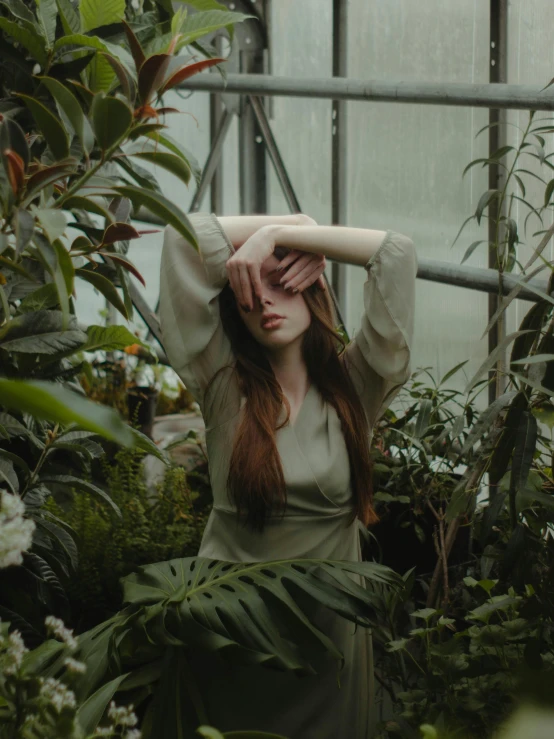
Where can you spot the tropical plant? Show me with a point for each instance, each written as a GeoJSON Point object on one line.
{"type": "Point", "coordinates": [505, 440]}
{"type": "Point", "coordinates": [81, 86]}
{"type": "Point", "coordinates": [154, 525]}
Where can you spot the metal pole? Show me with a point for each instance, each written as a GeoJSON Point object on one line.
{"type": "Point", "coordinates": [212, 162]}
{"type": "Point", "coordinates": [275, 155]}
{"type": "Point", "coordinates": [498, 71]}
{"type": "Point", "coordinates": [217, 112]}
{"type": "Point", "coordinates": [339, 182]}
{"type": "Point", "coordinates": [284, 179]}
{"type": "Point", "coordinates": [252, 166]}
{"type": "Point", "coordinates": [522, 97]}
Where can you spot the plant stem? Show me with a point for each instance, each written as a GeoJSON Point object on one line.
{"type": "Point", "coordinates": [50, 439]}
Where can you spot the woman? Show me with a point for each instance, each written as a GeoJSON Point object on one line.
{"type": "Point", "coordinates": [249, 327]}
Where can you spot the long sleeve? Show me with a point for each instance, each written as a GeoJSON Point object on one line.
{"type": "Point", "coordinates": [190, 283]}
{"type": "Point", "coordinates": [379, 356]}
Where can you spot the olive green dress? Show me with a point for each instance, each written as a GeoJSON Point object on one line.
{"type": "Point", "coordinates": [316, 470]}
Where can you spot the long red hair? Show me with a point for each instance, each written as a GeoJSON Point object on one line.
{"type": "Point", "coordinates": [256, 482]}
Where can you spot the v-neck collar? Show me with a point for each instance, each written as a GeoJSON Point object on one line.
{"type": "Point", "coordinates": [298, 415]}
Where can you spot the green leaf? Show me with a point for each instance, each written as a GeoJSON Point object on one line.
{"type": "Point", "coordinates": [26, 35]}
{"type": "Point", "coordinates": [471, 249]}
{"type": "Point", "coordinates": [104, 286]}
{"type": "Point", "coordinates": [79, 202]}
{"type": "Point", "coordinates": [41, 333]}
{"type": "Point", "coordinates": [110, 338]}
{"type": "Point", "coordinates": [94, 42]}
{"type": "Point", "coordinates": [89, 713]}
{"type": "Point", "coordinates": [63, 278]}
{"type": "Point", "coordinates": [492, 358]}
{"type": "Point", "coordinates": [71, 22]}
{"type": "Point", "coordinates": [161, 206]}
{"type": "Point", "coordinates": [69, 481]}
{"type": "Point", "coordinates": [8, 476]}
{"type": "Point", "coordinates": [486, 420]}
{"type": "Point", "coordinates": [45, 297]}
{"type": "Point", "coordinates": [70, 109]}
{"type": "Point", "coordinates": [484, 201]}
{"type": "Point", "coordinates": [55, 403]}
{"type": "Point", "coordinates": [422, 421]}
{"type": "Point", "coordinates": [97, 13]}
{"type": "Point", "coordinates": [24, 227]}
{"type": "Point", "coordinates": [202, 23]}
{"type": "Point", "coordinates": [178, 149]}
{"type": "Point", "coordinates": [183, 613]}
{"type": "Point", "coordinates": [526, 442]}
{"type": "Point", "coordinates": [52, 220]}
{"type": "Point", "coordinates": [111, 118]}
{"type": "Point", "coordinates": [174, 164]}
{"type": "Point", "coordinates": [453, 371]}
{"type": "Point", "coordinates": [47, 14]}
{"type": "Point", "coordinates": [18, 9]}
{"type": "Point", "coordinates": [50, 126]}
{"type": "Point", "coordinates": [147, 445]}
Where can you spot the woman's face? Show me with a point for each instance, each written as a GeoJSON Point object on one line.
{"type": "Point", "coordinates": [295, 315]}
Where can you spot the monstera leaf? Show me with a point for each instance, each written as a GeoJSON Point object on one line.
{"type": "Point", "coordinates": [237, 609]}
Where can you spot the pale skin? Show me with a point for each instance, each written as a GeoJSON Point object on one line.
{"type": "Point", "coordinates": [262, 284]}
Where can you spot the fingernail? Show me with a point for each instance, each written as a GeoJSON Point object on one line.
{"type": "Point", "coordinates": [279, 268]}
{"type": "Point", "coordinates": [295, 291]}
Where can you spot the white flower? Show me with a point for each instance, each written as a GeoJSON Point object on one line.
{"type": "Point", "coordinates": [74, 666]}
{"type": "Point", "coordinates": [57, 627]}
{"type": "Point", "coordinates": [133, 734]}
{"type": "Point", "coordinates": [57, 694]}
{"type": "Point", "coordinates": [16, 532]}
{"type": "Point", "coordinates": [122, 716]}
{"type": "Point", "coordinates": [104, 730]}
{"type": "Point", "coordinates": [36, 68]}
{"type": "Point", "coordinates": [14, 653]}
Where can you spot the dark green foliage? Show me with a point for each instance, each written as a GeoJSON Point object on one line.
{"type": "Point", "coordinates": [152, 528]}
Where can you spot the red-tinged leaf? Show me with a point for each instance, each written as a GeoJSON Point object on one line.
{"type": "Point", "coordinates": [149, 231]}
{"type": "Point", "coordinates": [151, 75]}
{"type": "Point", "coordinates": [124, 263]}
{"type": "Point", "coordinates": [189, 71]}
{"type": "Point", "coordinates": [127, 83]}
{"type": "Point", "coordinates": [81, 243]}
{"type": "Point", "coordinates": [163, 111]}
{"type": "Point", "coordinates": [134, 45]}
{"type": "Point", "coordinates": [143, 129]}
{"type": "Point", "coordinates": [15, 168]}
{"type": "Point", "coordinates": [119, 232]}
{"type": "Point", "coordinates": [47, 175]}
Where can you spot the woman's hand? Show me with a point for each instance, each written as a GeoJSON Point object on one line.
{"type": "Point", "coordinates": [300, 269]}
{"type": "Point", "coordinates": [243, 268]}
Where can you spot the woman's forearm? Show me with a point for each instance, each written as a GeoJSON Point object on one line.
{"type": "Point", "coordinates": [240, 228]}
{"type": "Point", "coordinates": [340, 243]}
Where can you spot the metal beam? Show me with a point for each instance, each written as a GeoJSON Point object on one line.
{"type": "Point", "coordinates": [447, 273]}
{"type": "Point", "coordinates": [339, 181]}
{"type": "Point", "coordinates": [523, 97]}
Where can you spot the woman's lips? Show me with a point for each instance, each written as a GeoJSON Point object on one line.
{"type": "Point", "coordinates": [272, 322]}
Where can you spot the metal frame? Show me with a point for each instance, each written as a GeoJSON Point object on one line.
{"type": "Point", "coordinates": [241, 94]}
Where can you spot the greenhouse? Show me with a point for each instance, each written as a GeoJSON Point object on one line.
{"type": "Point", "coordinates": [276, 369]}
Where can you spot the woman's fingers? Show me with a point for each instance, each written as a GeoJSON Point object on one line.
{"type": "Point", "coordinates": [291, 257]}
{"type": "Point", "coordinates": [303, 269]}
{"type": "Point", "coordinates": [315, 276]}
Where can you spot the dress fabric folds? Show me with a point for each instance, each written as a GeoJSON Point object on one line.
{"type": "Point", "coordinates": [316, 470]}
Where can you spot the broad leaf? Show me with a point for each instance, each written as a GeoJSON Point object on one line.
{"type": "Point", "coordinates": [104, 286]}
{"type": "Point", "coordinates": [70, 109]}
{"type": "Point", "coordinates": [69, 481]}
{"type": "Point", "coordinates": [111, 118]}
{"type": "Point", "coordinates": [161, 206]}
{"type": "Point", "coordinates": [55, 403]}
{"type": "Point", "coordinates": [25, 35]}
{"type": "Point", "coordinates": [110, 338]}
{"type": "Point", "coordinates": [95, 14]}
{"type": "Point", "coordinates": [41, 333]}
{"type": "Point", "coordinates": [174, 164]}
{"type": "Point", "coordinates": [50, 126]}
{"type": "Point", "coordinates": [71, 22]}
